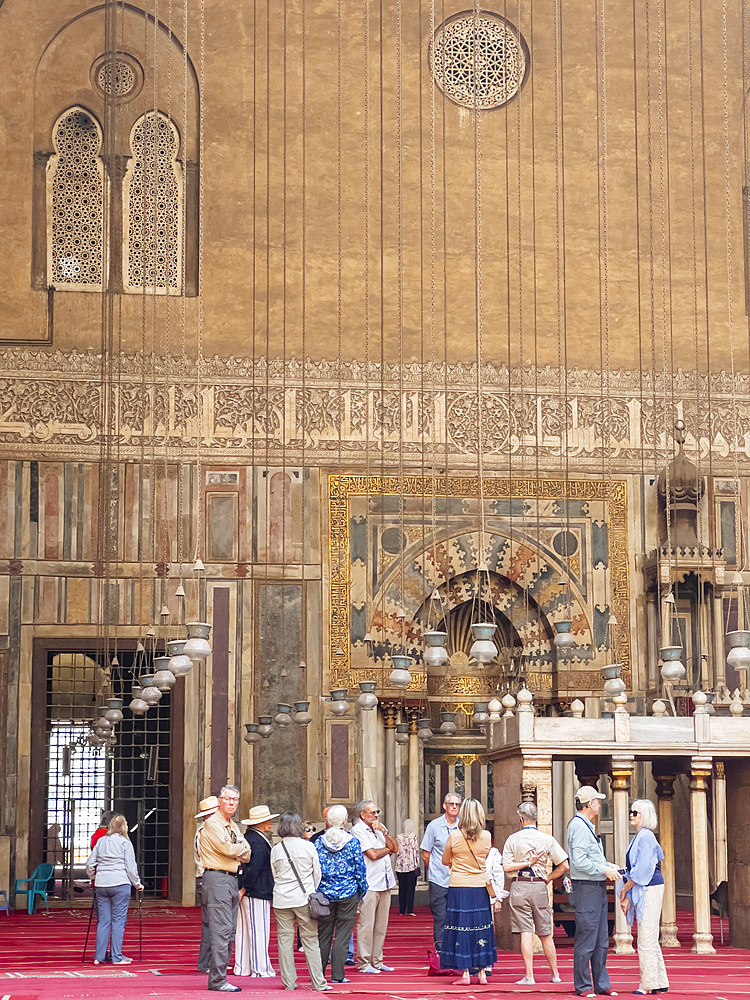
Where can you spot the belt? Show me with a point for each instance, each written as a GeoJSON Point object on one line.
{"type": "Point", "coordinates": [222, 870]}
{"type": "Point", "coordinates": [530, 878]}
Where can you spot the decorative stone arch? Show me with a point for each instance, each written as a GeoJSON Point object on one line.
{"type": "Point", "coordinates": [359, 588]}
{"type": "Point", "coordinates": [72, 70]}
{"type": "Point", "coordinates": [74, 185]}
{"type": "Point", "coordinates": [523, 578]}
{"type": "Point", "coordinates": [152, 213]}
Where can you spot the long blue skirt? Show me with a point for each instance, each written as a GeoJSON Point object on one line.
{"type": "Point", "coordinates": [469, 936]}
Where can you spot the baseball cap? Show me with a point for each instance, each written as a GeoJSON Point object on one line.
{"type": "Point", "coordinates": [587, 792]}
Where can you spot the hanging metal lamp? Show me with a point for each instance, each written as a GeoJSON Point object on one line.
{"type": "Point", "coordinates": [400, 675]}
{"type": "Point", "coordinates": [367, 699]}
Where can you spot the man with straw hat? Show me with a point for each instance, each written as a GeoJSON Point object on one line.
{"type": "Point", "coordinates": [207, 808]}
{"type": "Point", "coordinates": [222, 850]}
{"type": "Point", "coordinates": [255, 882]}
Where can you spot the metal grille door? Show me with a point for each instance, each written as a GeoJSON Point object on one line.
{"type": "Point", "coordinates": [131, 776]}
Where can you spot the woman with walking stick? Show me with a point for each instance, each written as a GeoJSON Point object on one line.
{"type": "Point", "coordinates": [112, 864]}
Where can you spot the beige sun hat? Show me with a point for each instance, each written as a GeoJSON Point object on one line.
{"type": "Point", "coordinates": [259, 814]}
{"type": "Point", "coordinates": [207, 806]}
{"type": "Point", "coordinates": [586, 793]}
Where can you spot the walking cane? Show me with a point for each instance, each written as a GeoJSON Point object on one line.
{"type": "Point", "coordinates": [88, 929]}
{"type": "Point", "coordinates": [140, 927]}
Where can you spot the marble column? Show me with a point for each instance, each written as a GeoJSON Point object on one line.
{"type": "Point", "coordinates": [414, 768]}
{"type": "Point", "coordinates": [536, 786]}
{"type": "Point", "coordinates": [720, 666]}
{"type": "Point", "coordinates": [622, 773]}
{"type": "Point", "coordinates": [700, 772]}
{"type": "Point", "coordinates": [719, 788]}
{"type": "Point", "coordinates": [665, 794]}
{"type": "Point", "coordinates": [390, 714]}
{"type": "Point", "coordinates": [370, 763]}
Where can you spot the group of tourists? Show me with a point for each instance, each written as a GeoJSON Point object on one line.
{"type": "Point", "coordinates": [348, 872]}
{"type": "Point", "coordinates": [326, 883]}
{"type": "Point", "coordinates": [467, 878]}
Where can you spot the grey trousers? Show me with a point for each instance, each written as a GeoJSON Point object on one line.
{"type": "Point", "coordinates": [221, 898]}
{"type": "Point", "coordinates": [204, 953]}
{"type": "Point", "coordinates": [438, 897]}
{"type": "Point", "coordinates": [592, 937]}
{"type": "Point", "coordinates": [308, 932]}
{"type": "Point", "coordinates": [337, 928]}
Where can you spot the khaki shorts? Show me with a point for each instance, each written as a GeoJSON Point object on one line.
{"type": "Point", "coordinates": [529, 908]}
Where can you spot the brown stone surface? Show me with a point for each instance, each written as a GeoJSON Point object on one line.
{"type": "Point", "coordinates": [258, 107]}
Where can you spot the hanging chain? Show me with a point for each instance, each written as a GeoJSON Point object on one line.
{"type": "Point", "coordinates": [366, 290]}
{"type": "Point", "coordinates": [478, 288]}
{"type": "Point", "coordinates": [604, 303]}
{"type": "Point", "coordinates": [400, 300]}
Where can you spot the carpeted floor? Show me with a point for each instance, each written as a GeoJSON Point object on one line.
{"type": "Point", "coordinates": [40, 959]}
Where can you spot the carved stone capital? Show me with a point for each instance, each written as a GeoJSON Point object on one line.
{"type": "Point", "coordinates": [412, 713]}
{"type": "Point", "coordinates": [390, 710]}
{"type": "Point", "coordinates": [116, 165]}
{"type": "Point", "coordinates": [719, 770]}
{"type": "Point", "coordinates": [665, 786]}
{"type": "Point", "coordinates": [622, 772]}
{"type": "Point", "coordinates": [701, 769]}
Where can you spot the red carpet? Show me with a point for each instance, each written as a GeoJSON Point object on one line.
{"type": "Point", "coordinates": [40, 959]}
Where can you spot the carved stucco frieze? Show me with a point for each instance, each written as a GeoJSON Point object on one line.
{"type": "Point", "coordinates": [52, 400]}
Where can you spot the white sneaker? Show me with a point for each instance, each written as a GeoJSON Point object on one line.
{"type": "Point", "coordinates": [371, 969]}
{"type": "Point", "coordinates": [526, 982]}
{"type": "Point", "coordinates": [555, 979]}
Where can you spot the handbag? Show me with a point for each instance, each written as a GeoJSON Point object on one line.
{"type": "Point", "coordinates": [433, 965]}
{"type": "Point", "coordinates": [488, 884]}
{"type": "Point", "coordinates": [318, 903]}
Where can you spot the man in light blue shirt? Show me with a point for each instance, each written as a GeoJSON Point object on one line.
{"type": "Point", "coordinates": [438, 876]}
{"type": "Point", "coordinates": [589, 872]}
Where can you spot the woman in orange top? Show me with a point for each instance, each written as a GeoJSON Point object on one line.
{"type": "Point", "coordinates": [469, 938]}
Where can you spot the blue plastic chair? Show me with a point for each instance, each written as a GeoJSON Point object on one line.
{"type": "Point", "coordinates": [4, 902]}
{"type": "Point", "coordinates": [36, 885]}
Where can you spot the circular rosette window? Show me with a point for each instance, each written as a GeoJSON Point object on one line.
{"type": "Point", "coordinates": [479, 60]}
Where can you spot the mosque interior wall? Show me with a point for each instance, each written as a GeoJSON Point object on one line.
{"type": "Point", "coordinates": [329, 358]}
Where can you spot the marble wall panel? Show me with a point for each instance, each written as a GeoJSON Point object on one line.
{"type": "Point", "coordinates": [280, 760]}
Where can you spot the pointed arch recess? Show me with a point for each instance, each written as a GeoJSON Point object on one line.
{"type": "Point", "coordinates": [535, 569]}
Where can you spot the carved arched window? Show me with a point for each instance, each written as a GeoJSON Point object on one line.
{"type": "Point", "coordinates": [74, 197]}
{"type": "Point", "coordinates": [152, 200]}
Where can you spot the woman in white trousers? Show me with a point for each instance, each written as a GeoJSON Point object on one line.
{"type": "Point", "coordinates": [642, 894]}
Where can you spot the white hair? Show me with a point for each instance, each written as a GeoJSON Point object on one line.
{"type": "Point", "coordinates": [647, 812]}
{"type": "Point", "coordinates": [408, 826]}
{"type": "Point", "coordinates": [336, 817]}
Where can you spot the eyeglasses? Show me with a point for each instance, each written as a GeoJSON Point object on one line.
{"type": "Point", "coordinates": [309, 829]}
{"type": "Point", "coordinates": [373, 812]}
{"type": "Point", "coordinates": [634, 812]}
{"type": "Point", "coordinates": [453, 803]}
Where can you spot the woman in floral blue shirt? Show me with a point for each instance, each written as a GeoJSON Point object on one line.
{"type": "Point", "coordinates": [344, 882]}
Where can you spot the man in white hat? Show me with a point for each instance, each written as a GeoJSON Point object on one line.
{"type": "Point", "coordinates": [207, 808]}
{"type": "Point", "coordinates": [589, 872]}
{"type": "Point", "coordinates": [255, 882]}
{"type": "Point", "coordinates": [223, 849]}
